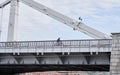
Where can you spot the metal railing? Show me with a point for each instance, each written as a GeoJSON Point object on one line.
{"type": "Point", "coordinates": [97, 43]}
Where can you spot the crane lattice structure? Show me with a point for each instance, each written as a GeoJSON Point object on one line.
{"type": "Point", "coordinates": [13, 19]}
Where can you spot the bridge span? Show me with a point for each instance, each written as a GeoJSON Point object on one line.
{"type": "Point", "coordinates": [66, 55]}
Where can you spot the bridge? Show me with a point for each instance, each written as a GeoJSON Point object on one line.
{"type": "Point", "coordinates": [75, 55]}
{"type": "Point", "coordinates": [99, 54]}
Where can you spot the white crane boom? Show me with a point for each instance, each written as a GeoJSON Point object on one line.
{"type": "Point", "coordinates": [66, 20]}
{"type": "Point", "coordinates": [49, 12]}
{"type": "Point", "coordinates": [4, 3]}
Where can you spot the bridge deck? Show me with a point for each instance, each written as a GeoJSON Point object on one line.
{"type": "Point", "coordinates": [66, 55]}
{"type": "Point", "coordinates": [53, 46]}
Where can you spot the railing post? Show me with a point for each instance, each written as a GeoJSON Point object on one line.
{"type": "Point", "coordinates": [98, 47]}
{"type": "Point", "coordinates": [79, 46]}
{"type": "Point", "coordinates": [42, 53]}
{"type": "Point", "coordinates": [110, 45]}
{"type": "Point", "coordinates": [90, 48]}
{"type": "Point", "coordinates": [53, 44]}
{"type": "Point", "coordinates": [70, 48]}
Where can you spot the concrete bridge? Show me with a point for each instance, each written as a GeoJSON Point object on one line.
{"type": "Point", "coordinates": [66, 55]}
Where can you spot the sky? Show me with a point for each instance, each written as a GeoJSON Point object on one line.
{"type": "Point", "coordinates": [102, 15]}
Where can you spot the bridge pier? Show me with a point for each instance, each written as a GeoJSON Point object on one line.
{"type": "Point", "coordinates": [115, 55]}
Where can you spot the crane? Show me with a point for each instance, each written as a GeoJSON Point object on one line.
{"type": "Point", "coordinates": [51, 13]}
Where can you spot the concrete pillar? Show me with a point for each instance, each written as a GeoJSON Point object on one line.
{"type": "Point", "coordinates": [115, 55]}
{"type": "Point", "coordinates": [13, 21]}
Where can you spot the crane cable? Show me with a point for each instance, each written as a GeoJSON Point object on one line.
{"type": "Point", "coordinates": [1, 21]}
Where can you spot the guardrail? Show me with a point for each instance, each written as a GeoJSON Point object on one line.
{"type": "Point", "coordinates": [94, 43]}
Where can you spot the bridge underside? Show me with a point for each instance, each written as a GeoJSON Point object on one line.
{"type": "Point", "coordinates": [32, 62]}
{"type": "Point", "coordinates": [14, 69]}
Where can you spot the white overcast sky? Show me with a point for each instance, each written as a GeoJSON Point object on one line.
{"type": "Point", "coordinates": [102, 15]}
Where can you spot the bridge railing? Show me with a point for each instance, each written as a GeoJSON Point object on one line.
{"type": "Point", "coordinates": [98, 43]}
